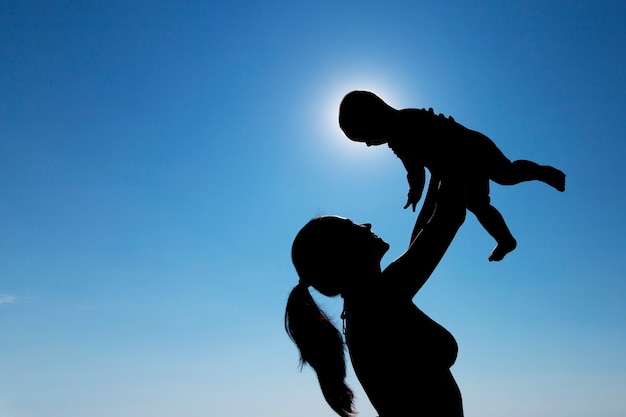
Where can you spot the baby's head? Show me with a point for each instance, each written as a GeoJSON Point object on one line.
{"type": "Point", "coordinates": [364, 117]}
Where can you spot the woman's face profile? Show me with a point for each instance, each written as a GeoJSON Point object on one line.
{"type": "Point", "coordinates": [362, 241]}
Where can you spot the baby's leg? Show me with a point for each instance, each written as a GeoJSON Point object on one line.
{"type": "Point", "coordinates": [486, 157]}
{"type": "Point", "coordinates": [493, 222]}
{"type": "Point", "coordinates": [519, 171]}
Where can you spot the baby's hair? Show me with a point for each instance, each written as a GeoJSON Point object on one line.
{"type": "Point", "coordinates": [359, 106]}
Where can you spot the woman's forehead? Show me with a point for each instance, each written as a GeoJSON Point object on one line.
{"type": "Point", "coordinates": [343, 222]}
{"type": "Point", "coordinates": [339, 219]}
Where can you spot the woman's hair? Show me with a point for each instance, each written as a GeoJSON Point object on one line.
{"type": "Point", "coordinates": [320, 343]}
{"type": "Point", "coordinates": [359, 111]}
{"type": "Point", "coordinates": [321, 346]}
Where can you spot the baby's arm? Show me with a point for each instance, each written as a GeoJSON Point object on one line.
{"type": "Point", "coordinates": [416, 177]}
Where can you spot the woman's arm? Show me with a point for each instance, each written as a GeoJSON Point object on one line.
{"type": "Point", "coordinates": [407, 274]}
{"type": "Point", "coordinates": [428, 208]}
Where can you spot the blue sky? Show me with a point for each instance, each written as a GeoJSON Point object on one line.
{"type": "Point", "coordinates": [157, 159]}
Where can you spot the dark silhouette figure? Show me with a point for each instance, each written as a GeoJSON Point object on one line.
{"type": "Point", "coordinates": [449, 150]}
{"type": "Point", "coordinates": [401, 357]}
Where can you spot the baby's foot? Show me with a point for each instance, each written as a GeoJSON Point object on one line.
{"type": "Point", "coordinates": [501, 249]}
{"type": "Point", "coordinates": [555, 178]}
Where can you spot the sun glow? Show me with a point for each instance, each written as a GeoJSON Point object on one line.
{"type": "Point", "coordinates": [326, 111]}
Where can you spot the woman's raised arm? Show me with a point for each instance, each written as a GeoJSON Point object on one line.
{"type": "Point", "coordinates": [428, 207]}
{"type": "Point", "coordinates": [407, 274]}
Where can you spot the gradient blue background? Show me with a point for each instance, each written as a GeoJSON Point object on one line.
{"type": "Point", "coordinates": [157, 159]}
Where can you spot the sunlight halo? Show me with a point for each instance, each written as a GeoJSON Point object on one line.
{"type": "Point", "coordinates": [326, 113]}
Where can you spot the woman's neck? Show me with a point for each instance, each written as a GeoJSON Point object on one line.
{"type": "Point", "coordinates": [360, 284]}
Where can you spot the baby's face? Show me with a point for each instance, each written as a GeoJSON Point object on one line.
{"type": "Point", "coordinates": [369, 140]}
{"type": "Point", "coordinates": [372, 136]}
{"type": "Point", "coordinates": [375, 142]}
{"type": "Point", "coordinates": [371, 130]}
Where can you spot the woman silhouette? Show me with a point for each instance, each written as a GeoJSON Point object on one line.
{"type": "Point", "coordinates": [401, 357]}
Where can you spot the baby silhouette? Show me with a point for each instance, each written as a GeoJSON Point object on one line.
{"type": "Point", "coordinates": [423, 140]}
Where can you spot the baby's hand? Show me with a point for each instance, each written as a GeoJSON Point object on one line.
{"type": "Point", "coordinates": [413, 197]}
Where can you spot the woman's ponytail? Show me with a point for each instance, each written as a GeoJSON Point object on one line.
{"type": "Point", "coordinates": [321, 346]}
